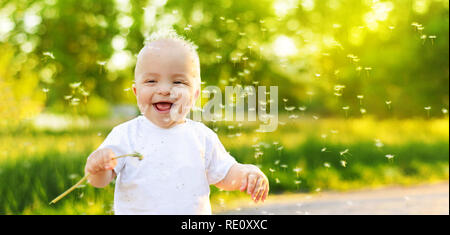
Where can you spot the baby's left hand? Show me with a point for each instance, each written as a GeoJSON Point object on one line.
{"type": "Point", "coordinates": [255, 182]}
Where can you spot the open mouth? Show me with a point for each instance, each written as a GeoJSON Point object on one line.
{"type": "Point", "coordinates": [163, 107]}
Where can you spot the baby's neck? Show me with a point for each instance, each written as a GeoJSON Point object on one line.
{"type": "Point", "coordinates": [164, 124]}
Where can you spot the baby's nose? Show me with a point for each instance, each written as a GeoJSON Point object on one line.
{"type": "Point", "coordinates": [164, 90]}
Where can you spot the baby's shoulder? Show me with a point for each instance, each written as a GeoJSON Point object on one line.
{"type": "Point", "coordinates": [201, 128]}
{"type": "Point", "coordinates": [126, 126]}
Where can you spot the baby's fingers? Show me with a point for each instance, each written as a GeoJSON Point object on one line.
{"type": "Point", "coordinates": [251, 183]}
{"type": "Point", "coordinates": [266, 192]}
{"type": "Point", "coordinates": [243, 184]}
{"type": "Point", "coordinates": [259, 189]}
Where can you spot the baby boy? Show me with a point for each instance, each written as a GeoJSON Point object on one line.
{"type": "Point", "coordinates": [182, 157]}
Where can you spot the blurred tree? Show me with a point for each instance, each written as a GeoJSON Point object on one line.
{"type": "Point", "coordinates": [323, 55]}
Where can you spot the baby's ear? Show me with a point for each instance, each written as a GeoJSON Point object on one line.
{"type": "Point", "coordinates": [134, 88]}
{"type": "Point", "coordinates": [196, 94]}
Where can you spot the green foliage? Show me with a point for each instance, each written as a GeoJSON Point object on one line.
{"type": "Point", "coordinates": [20, 96]}
{"type": "Point", "coordinates": [45, 163]}
{"type": "Point", "coordinates": [384, 50]}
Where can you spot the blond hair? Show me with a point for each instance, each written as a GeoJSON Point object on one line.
{"type": "Point", "coordinates": [172, 34]}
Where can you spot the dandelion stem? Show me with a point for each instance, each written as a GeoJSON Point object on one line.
{"type": "Point", "coordinates": [138, 155]}
{"type": "Point", "coordinates": [70, 189]}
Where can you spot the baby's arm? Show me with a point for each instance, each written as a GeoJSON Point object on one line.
{"type": "Point", "coordinates": [246, 176]}
{"type": "Point", "coordinates": [100, 165]}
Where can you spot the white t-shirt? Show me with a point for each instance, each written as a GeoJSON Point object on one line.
{"type": "Point", "coordinates": [179, 165]}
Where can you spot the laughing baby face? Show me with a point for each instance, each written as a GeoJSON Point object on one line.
{"type": "Point", "coordinates": [166, 81]}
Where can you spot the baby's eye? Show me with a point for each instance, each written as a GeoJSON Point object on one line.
{"type": "Point", "coordinates": [150, 81]}
{"type": "Point", "coordinates": [179, 82]}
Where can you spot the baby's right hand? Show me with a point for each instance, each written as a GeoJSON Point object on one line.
{"type": "Point", "coordinates": [100, 160]}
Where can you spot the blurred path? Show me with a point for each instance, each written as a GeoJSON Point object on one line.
{"type": "Point", "coordinates": [423, 199]}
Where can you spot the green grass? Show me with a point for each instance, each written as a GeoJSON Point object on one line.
{"type": "Point", "coordinates": [36, 166]}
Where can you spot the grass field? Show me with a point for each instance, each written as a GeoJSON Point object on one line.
{"type": "Point", "coordinates": [303, 155]}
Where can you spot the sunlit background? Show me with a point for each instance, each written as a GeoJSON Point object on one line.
{"type": "Point", "coordinates": [362, 90]}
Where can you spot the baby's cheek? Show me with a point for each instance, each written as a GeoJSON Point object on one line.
{"type": "Point", "coordinates": [142, 100]}
{"type": "Point", "coordinates": [180, 93]}
{"type": "Point", "coordinates": [182, 104]}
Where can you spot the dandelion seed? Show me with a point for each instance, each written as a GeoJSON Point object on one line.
{"type": "Point", "coordinates": [315, 117]}
{"type": "Point", "coordinates": [317, 190]}
{"type": "Point", "coordinates": [127, 89]}
{"type": "Point", "coordinates": [337, 94]}
{"type": "Point", "coordinates": [45, 90]}
{"type": "Point", "coordinates": [362, 110]}
{"type": "Point", "coordinates": [297, 170]}
{"type": "Point", "coordinates": [317, 75]}
{"type": "Point", "coordinates": [339, 87]}
{"type": "Point", "coordinates": [297, 182]}
{"type": "Point", "coordinates": [415, 24]}
{"type": "Point", "coordinates": [75, 85]}
{"type": "Point", "coordinates": [188, 27]}
{"type": "Point", "coordinates": [389, 156]}
{"type": "Point", "coordinates": [271, 170]}
{"type": "Point", "coordinates": [323, 136]}
{"type": "Point", "coordinates": [290, 108]}
{"type": "Point", "coordinates": [378, 143]}
{"type": "Point", "coordinates": [343, 163]}
{"type": "Point", "coordinates": [444, 110]}
{"type": "Point", "coordinates": [360, 98]}
{"type": "Point", "coordinates": [83, 92]}
{"type": "Point", "coordinates": [432, 38]}
{"type": "Point", "coordinates": [327, 165]}
{"type": "Point", "coordinates": [388, 103]}
{"type": "Point", "coordinates": [75, 102]}
{"type": "Point", "coordinates": [285, 100]}
{"type": "Point", "coordinates": [391, 27]}
{"type": "Point", "coordinates": [277, 180]}
{"type": "Point", "coordinates": [302, 108]}
{"type": "Point", "coordinates": [346, 108]}
{"type": "Point", "coordinates": [428, 109]}
{"type": "Point", "coordinates": [101, 63]}
{"type": "Point", "coordinates": [293, 116]}
{"type": "Point", "coordinates": [67, 97]}
{"type": "Point", "coordinates": [334, 131]}
{"type": "Point", "coordinates": [49, 54]}
{"type": "Point", "coordinates": [277, 162]}
{"type": "Point", "coordinates": [323, 149]}
{"type": "Point", "coordinates": [73, 176]}
{"type": "Point", "coordinates": [343, 152]}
